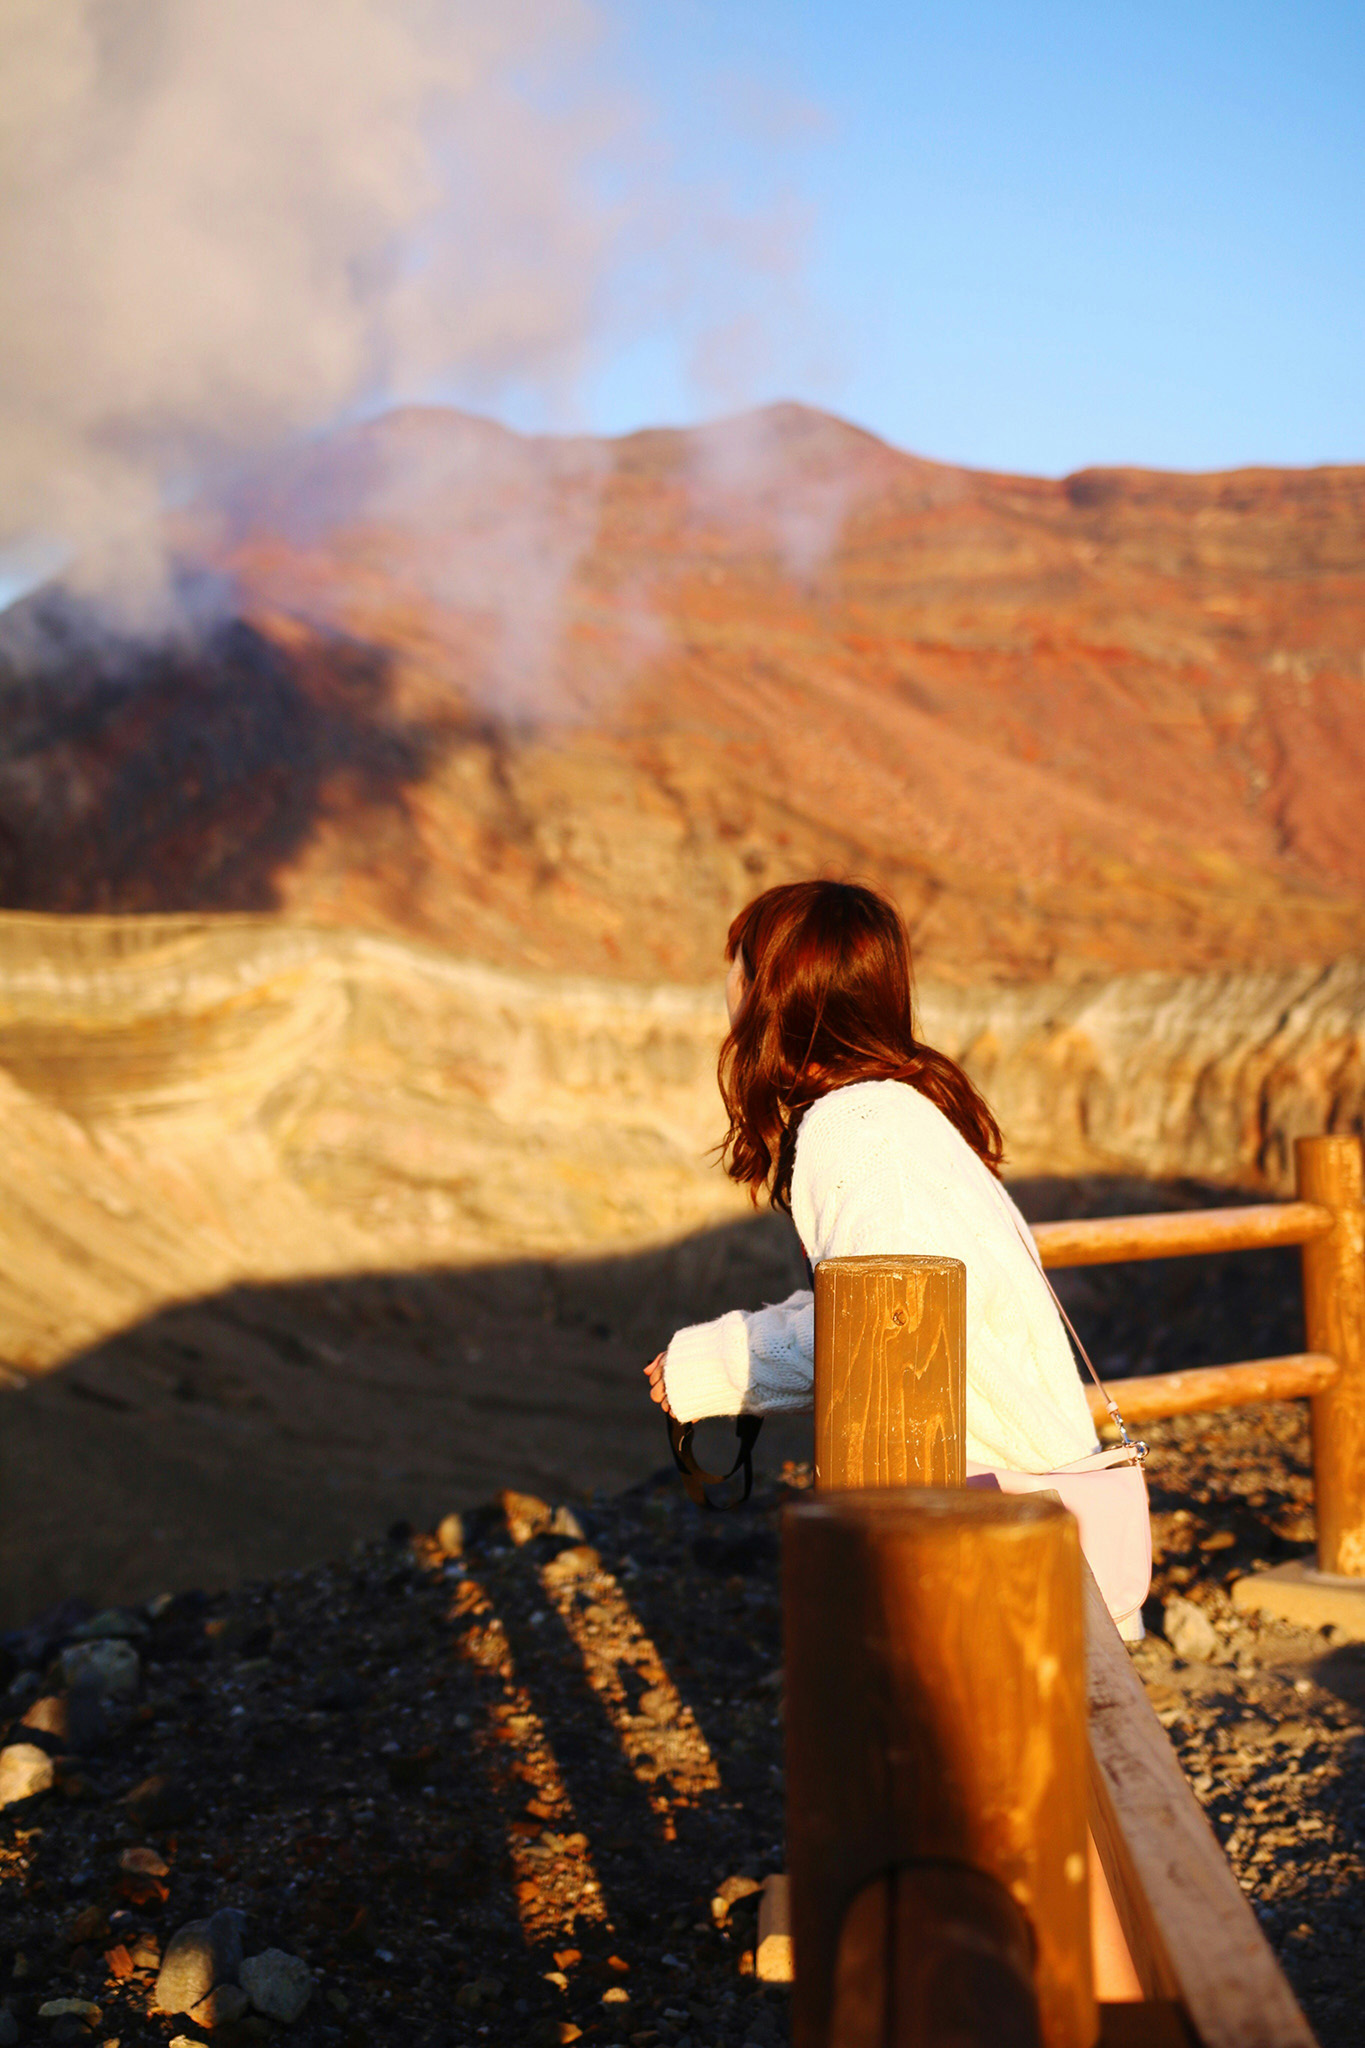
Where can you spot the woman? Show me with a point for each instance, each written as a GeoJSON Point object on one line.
{"type": "Point", "coordinates": [871, 1142]}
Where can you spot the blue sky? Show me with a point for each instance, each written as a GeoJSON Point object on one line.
{"type": "Point", "coordinates": [1029, 237]}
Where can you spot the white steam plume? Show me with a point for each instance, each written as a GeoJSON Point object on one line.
{"type": "Point", "coordinates": [224, 225]}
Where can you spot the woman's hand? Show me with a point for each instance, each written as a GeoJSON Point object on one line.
{"type": "Point", "coordinates": [654, 1373]}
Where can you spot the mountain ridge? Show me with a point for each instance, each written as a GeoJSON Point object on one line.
{"type": "Point", "coordinates": [562, 704]}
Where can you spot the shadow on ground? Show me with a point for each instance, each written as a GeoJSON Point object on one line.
{"type": "Point", "coordinates": [268, 1427]}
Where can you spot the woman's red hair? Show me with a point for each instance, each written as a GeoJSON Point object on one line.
{"type": "Point", "coordinates": [829, 999]}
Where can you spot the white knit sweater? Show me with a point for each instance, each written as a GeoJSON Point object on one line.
{"type": "Point", "coordinates": [879, 1169]}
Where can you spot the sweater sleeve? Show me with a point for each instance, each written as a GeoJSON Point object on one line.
{"type": "Point", "coordinates": [759, 1362]}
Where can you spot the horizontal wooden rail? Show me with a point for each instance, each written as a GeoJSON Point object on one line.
{"type": "Point", "coordinates": [1105, 1240]}
{"type": "Point", "coordinates": [1192, 1934]}
{"type": "Point", "coordinates": [1204, 1387]}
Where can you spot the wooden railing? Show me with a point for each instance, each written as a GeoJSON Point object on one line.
{"type": "Point", "coordinates": [1328, 1223]}
{"type": "Point", "coordinates": [959, 1705]}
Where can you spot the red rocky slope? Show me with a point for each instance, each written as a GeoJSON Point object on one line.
{"type": "Point", "coordinates": [563, 704]}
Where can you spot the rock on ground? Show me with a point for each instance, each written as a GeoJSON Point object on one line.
{"type": "Point", "coordinates": [25, 1770]}
{"type": "Point", "coordinates": [201, 1954]}
{"type": "Point", "coordinates": [277, 1984]}
{"type": "Point", "coordinates": [108, 1666]}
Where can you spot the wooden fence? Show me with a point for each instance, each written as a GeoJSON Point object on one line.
{"type": "Point", "coordinates": [960, 1710]}
{"type": "Point", "coordinates": [1328, 1222]}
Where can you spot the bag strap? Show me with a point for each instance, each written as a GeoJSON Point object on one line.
{"type": "Point", "coordinates": [695, 1478]}
{"type": "Point", "coordinates": [1139, 1450]}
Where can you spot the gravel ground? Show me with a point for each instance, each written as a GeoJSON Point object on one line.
{"type": "Point", "coordinates": [513, 1796]}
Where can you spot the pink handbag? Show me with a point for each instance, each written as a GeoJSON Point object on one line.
{"type": "Point", "coordinates": [1106, 1492]}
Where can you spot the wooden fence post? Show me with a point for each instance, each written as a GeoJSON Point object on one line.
{"type": "Point", "coordinates": [1329, 1173]}
{"type": "Point", "coordinates": [890, 1372]}
{"type": "Point", "coordinates": [936, 1715]}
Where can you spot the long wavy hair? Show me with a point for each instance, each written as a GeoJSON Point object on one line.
{"type": "Point", "coordinates": [828, 1000]}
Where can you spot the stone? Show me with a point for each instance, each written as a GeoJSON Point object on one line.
{"type": "Point", "coordinates": [25, 1771]}
{"type": "Point", "coordinates": [564, 1522]}
{"type": "Point", "coordinates": [22, 1687]}
{"type": "Point", "coordinates": [479, 1992]}
{"type": "Point", "coordinates": [91, 1924]}
{"type": "Point", "coordinates": [450, 1535]}
{"type": "Point", "coordinates": [578, 1563]}
{"type": "Point", "coordinates": [143, 1863]}
{"type": "Point", "coordinates": [617, 1994]}
{"type": "Point", "coordinates": [1189, 1631]}
{"type": "Point", "coordinates": [9, 2028]}
{"type": "Point", "coordinates": [72, 1782]}
{"type": "Point", "coordinates": [110, 1668]}
{"type": "Point", "coordinates": [157, 1801]}
{"type": "Point", "coordinates": [278, 1985]}
{"type": "Point", "coordinates": [527, 1515]}
{"type": "Point", "coordinates": [112, 1623]}
{"type": "Point", "coordinates": [69, 2008]}
{"type": "Point", "coordinates": [1298, 1593]}
{"type": "Point", "coordinates": [200, 1955]}
{"type": "Point", "coordinates": [74, 1720]}
{"type": "Point", "coordinates": [225, 2004]}
{"type": "Point", "coordinates": [48, 1716]}
{"type": "Point", "coordinates": [729, 1893]}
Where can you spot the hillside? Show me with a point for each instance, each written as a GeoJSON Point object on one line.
{"type": "Point", "coordinates": [302, 1231]}
{"type": "Point", "coordinates": [190, 1103]}
{"type": "Point", "coordinates": [562, 705]}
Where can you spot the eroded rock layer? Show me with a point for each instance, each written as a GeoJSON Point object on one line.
{"type": "Point", "coordinates": [190, 1103]}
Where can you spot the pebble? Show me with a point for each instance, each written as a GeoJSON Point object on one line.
{"type": "Point", "coordinates": [527, 1515]}
{"type": "Point", "coordinates": [1189, 1631]}
{"type": "Point", "coordinates": [278, 1985]}
{"type": "Point", "coordinates": [25, 1770]}
{"type": "Point", "coordinates": [729, 1893]}
{"type": "Point", "coordinates": [201, 1954]}
{"type": "Point", "coordinates": [479, 1992]}
{"type": "Point", "coordinates": [450, 1535]}
{"type": "Point", "coordinates": [49, 1716]}
{"type": "Point", "coordinates": [113, 1622]}
{"type": "Point", "coordinates": [143, 1863]}
{"type": "Point", "coordinates": [68, 1719]}
{"type": "Point", "coordinates": [224, 2004]}
{"type": "Point", "coordinates": [89, 1925]}
{"type": "Point", "coordinates": [69, 2008]}
{"type": "Point", "coordinates": [577, 1563]}
{"type": "Point", "coordinates": [110, 1668]}
{"type": "Point", "coordinates": [22, 1687]}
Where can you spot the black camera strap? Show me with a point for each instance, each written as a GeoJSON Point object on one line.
{"type": "Point", "coordinates": [696, 1479]}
